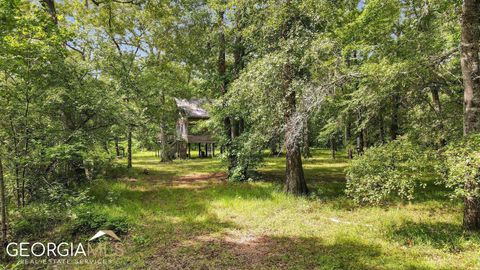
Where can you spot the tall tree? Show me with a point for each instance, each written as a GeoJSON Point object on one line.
{"type": "Point", "coordinates": [223, 82]}
{"type": "Point", "coordinates": [294, 177]}
{"type": "Point", "coordinates": [470, 62]}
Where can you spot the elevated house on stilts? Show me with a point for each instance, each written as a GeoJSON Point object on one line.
{"type": "Point", "coordinates": [191, 135]}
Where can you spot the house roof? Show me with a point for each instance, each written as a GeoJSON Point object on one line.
{"type": "Point", "coordinates": [192, 108]}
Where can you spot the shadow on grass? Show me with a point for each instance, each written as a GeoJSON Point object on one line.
{"type": "Point", "coordinates": [271, 252]}
{"type": "Point", "coordinates": [142, 198]}
{"type": "Point", "coordinates": [168, 217]}
{"type": "Point", "coordinates": [433, 192]}
{"type": "Point", "coordinates": [441, 235]}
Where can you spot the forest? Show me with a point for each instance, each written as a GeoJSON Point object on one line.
{"type": "Point", "coordinates": [240, 134]}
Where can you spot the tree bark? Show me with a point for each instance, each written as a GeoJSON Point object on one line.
{"type": "Point", "coordinates": [273, 147]}
{"type": "Point", "coordinates": [394, 126]}
{"type": "Point", "coordinates": [471, 81]}
{"type": "Point", "coordinates": [234, 128]}
{"type": "Point", "coordinates": [350, 153]}
{"type": "Point", "coordinates": [306, 144]}
{"type": "Point", "coordinates": [381, 123]}
{"type": "Point", "coordinates": [27, 141]}
{"type": "Point", "coordinates": [164, 154]}
{"type": "Point", "coordinates": [436, 99]}
{"type": "Point", "coordinates": [164, 151]}
{"type": "Point", "coordinates": [222, 65]}
{"type": "Point", "coordinates": [50, 6]}
{"type": "Point", "coordinates": [237, 125]}
{"type": "Point", "coordinates": [360, 143]}
{"type": "Point", "coordinates": [294, 177]}
{"type": "Point", "coordinates": [129, 148]}
{"type": "Point", "coordinates": [17, 166]}
{"type": "Point", "coordinates": [117, 147]}
{"type": "Point", "coordinates": [241, 126]}
{"type": "Point", "coordinates": [439, 112]}
{"type": "Point", "coordinates": [333, 147]}
{"type": "Point", "coordinates": [348, 135]}
{"type": "Point", "coordinates": [366, 142]}
{"type": "Point", "coordinates": [295, 180]}
{"type": "Point", "coordinates": [228, 123]}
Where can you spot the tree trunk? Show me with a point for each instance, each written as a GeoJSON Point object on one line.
{"type": "Point", "coordinates": [381, 123]}
{"type": "Point", "coordinates": [232, 156]}
{"type": "Point", "coordinates": [222, 70]}
{"type": "Point", "coordinates": [273, 147]}
{"type": "Point", "coordinates": [295, 180]}
{"type": "Point", "coordinates": [360, 143]}
{"type": "Point", "coordinates": [234, 129]}
{"type": "Point", "coordinates": [306, 144]}
{"type": "Point", "coordinates": [129, 148]}
{"type": "Point", "coordinates": [105, 146]}
{"type": "Point", "coordinates": [4, 206]}
{"type": "Point", "coordinates": [164, 151]}
{"type": "Point", "coordinates": [348, 135]}
{"type": "Point", "coordinates": [439, 111]}
{"type": "Point", "coordinates": [50, 6]}
{"type": "Point", "coordinates": [164, 148]}
{"type": "Point", "coordinates": [23, 191]}
{"type": "Point", "coordinates": [366, 142]}
{"type": "Point", "coordinates": [436, 99]}
{"type": "Point", "coordinates": [222, 64]}
{"type": "Point", "coordinates": [17, 185]}
{"type": "Point", "coordinates": [117, 147]}
{"type": "Point", "coordinates": [333, 147]}
{"type": "Point", "coordinates": [294, 177]}
{"type": "Point", "coordinates": [17, 166]}
{"type": "Point", "coordinates": [241, 126]}
{"type": "Point", "coordinates": [394, 126]}
{"type": "Point", "coordinates": [471, 81]}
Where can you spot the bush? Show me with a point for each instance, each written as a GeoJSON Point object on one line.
{"type": "Point", "coordinates": [35, 221]}
{"type": "Point", "coordinates": [248, 158]}
{"type": "Point", "coordinates": [384, 172]}
{"type": "Point", "coordinates": [462, 166]}
{"type": "Point", "coordinates": [91, 219]}
{"type": "Point", "coordinates": [42, 217]}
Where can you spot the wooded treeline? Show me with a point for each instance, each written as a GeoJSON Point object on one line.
{"type": "Point", "coordinates": [381, 80]}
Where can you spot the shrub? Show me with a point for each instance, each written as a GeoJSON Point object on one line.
{"type": "Point", "coordinates": [90, 219]}
{"type": "Point", "coordinates": [35, 221]}
{"type": "Point", "coordinates": [395, 169]}
{"type": "Point", "coordinates": [462, 165]}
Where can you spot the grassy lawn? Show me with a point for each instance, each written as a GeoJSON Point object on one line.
{"type": "Point", "coordinates": [185, 216]}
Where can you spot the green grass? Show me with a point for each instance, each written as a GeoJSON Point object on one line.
{"type": "Point", "coordinates": [185, 217]}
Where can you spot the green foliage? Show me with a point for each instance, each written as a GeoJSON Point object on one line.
{"type": "Point", "coordinates": [36, 220]}
{"type": "Point", "coordinates": [112, 68]}
{"type": "Point", "coordinates": [41, 217]}
{"type": "Point", "coordinates": [394, 170]}
{"type": "Point", "coordinates": [248, 157]}
{"type": "Point", "coordinates": [89, 219]}
{"type": "Point", "coordinates": [461, 167]}
{"type": "Point", "coordinates": [188, 221]}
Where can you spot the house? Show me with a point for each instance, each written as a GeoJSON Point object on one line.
{"type": "Point", "coordinates": [190, 133]}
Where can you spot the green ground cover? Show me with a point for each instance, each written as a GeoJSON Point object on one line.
{"type": "Point", "coordinates": [183, 215]}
